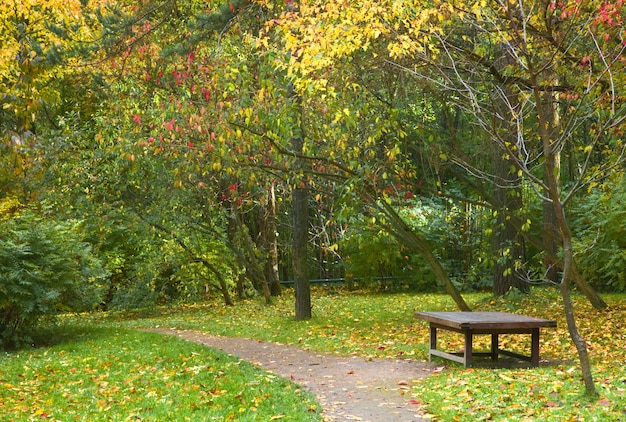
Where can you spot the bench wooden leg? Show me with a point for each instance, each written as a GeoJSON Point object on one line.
{"type": "Point", "coordinates": [467, 361]}
{"type": "Point", "coordinates": [494, 347]}
{"type": "Point", "coordinates": [534, 348]}
{"type": "Point", "coordinates": [433, 341]}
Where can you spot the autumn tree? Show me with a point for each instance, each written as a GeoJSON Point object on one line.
{"type": "Point", "coordinates": [179, 105]}
{"type": "Point", "coordinates": [38, 83]}
{"type": "Point", "coordinates": [352, 135]}
{"type": "Point", "coordinates": [520, 72]}
{"type": "Point", "coordinates": [557, 91]}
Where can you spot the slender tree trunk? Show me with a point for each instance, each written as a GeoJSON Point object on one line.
{"type": "Point", "coordinates": [253, 267]}
{"type": "Point", "coordinates": [553, 192]}
{"type": "Point", "coordinates": [243, 247]}
{"type": "Point", "coordinates": [223, 285]}
{"type": "Point", "coordinates": [506, 243]}
{"type": "Point", "coordinates": [240, 283]}
{"type": "Point", "coordinates": [579, 342]}
{"type": "Point", "coordinates": [399, 229]}
{"type": "Point", "coordinates": [270, 242]}
{"type": "Point", "coordinates": [594, 298]}
{"type": "Point", "coordinates": [550, 224]}
{"type": "Point", "coordinates": [300, 253]}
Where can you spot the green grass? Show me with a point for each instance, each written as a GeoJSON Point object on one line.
{"type": "Point", "coordinates": [111, 374]}
{"type": "Point", "coordinates": [384, 326]}
{"type": "Point", "coordinates": [367, 325]}
{"type": "Point", "coordinates": [373, 325]}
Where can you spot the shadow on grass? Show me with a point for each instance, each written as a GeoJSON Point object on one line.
{"type": "Point", "coordinates": [57, 331]}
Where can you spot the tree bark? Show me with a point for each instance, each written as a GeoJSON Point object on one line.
{"type": "Point", "coordinates": [550, 224]}
{"type": "Point", "coordinates": [506, 243]}
{"type": "Point", "coordinates": [300, 243]}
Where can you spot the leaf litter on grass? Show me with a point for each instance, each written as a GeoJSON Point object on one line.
{"type": "Point", "coordinates": [383, 325]}
{"type": "Point", "coordinates": [120, 375]}
{"type": "Point", "coordinates": [551, 393]}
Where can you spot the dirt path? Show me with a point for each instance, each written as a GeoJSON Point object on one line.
{"type": "Point", "coordinates": [349, 388]}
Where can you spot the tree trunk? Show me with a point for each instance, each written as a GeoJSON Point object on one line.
{"type": "Point", "coordinates": [300, 243]}
{"type": "Point", "coordinates": [223, 285]}
{"type": "Point", "coordinates": [550, 225]}
{"type": "Point", "coordinates": [399, 229]}
{"type": "Point", "coordinates": [243, 245]}
{"type": "Point", "coordinates": [269, 242]}
{"type": "Point", "coordinates": [594, 298]}
{"type": "Point", "coordinates": [579, 342]}
{"type": "Point", "coordinates": [506, 242]}
{"type": "Point", "coordinates": [553, 193]}
{"type": "Point", "coordinates": [300, 253]}
{"type": "Point", "coordinates": [240, 283]}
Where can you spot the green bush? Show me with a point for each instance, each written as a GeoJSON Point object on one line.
{"type": "Point", "coordinates": [45, 267]}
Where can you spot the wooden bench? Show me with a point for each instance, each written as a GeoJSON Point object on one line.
{"type": "Point", "coordinates": [494, 323]}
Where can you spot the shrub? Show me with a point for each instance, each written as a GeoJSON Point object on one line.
{"type": "Point", "coordinates": [45, 267]}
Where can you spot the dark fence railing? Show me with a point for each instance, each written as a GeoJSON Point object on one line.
{"type": "Point", "coordinates": [342, 280]}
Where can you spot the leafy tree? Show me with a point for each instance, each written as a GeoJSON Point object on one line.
{"type": "Point", "coordinates": [352, 135]}
{"type": "Point", "coordinates": [598, 226]}
{"type": "Point", "coordinates": [509, 67]}
{"type": "Point", "coordinates": [38, 82]}
{"type": "Point", "coordinates": [549, 102]}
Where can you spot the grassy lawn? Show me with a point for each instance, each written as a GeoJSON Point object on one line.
{"type": "Point", "coordinates": [110, 371]}
{"type": "Point", "coordinates": [383, 326]}
{"type": "Point", "coordinates": [110, 374]}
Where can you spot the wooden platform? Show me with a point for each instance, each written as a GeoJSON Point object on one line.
{"type": "Point", "coordinates": [493, 323]}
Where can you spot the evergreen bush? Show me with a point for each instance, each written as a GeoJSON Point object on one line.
{"type": "Point", "coordinates": [45, 268]}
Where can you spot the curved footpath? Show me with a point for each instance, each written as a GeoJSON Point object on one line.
{"type": "Point", "coordinates": [348, 388]}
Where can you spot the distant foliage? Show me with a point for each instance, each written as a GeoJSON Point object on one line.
{"type": "Point", "coordinates": [457, 236]}
{"type": "Point", "coordinates": [374, 258]}
{"type": "Point", "coordinates": [45, 267]}
{"type": "Point", "coordinates": [601, 231]}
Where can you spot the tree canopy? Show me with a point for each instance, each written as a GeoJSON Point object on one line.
{"type": "Point", "coordinates": [232, 145]}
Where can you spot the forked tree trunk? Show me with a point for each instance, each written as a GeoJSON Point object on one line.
{"type": "Point", "coordinates": [269, 242]}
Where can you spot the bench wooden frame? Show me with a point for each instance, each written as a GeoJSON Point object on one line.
{"type": "Point", "coordinates": [494, 323]}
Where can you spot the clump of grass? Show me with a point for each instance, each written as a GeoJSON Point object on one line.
{"type": "Point", "coordinates": [111, 374]}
